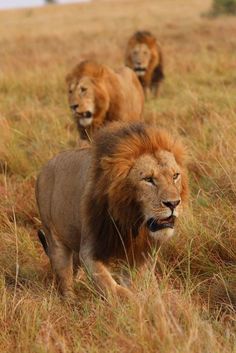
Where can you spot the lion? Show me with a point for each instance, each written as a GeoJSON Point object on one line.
{"type": "Point", "coordinates": [144, 56]}
{"type": "Point", "coordinates": [98, 95]}
{"type": "Point", "coordinates": [111, 202]}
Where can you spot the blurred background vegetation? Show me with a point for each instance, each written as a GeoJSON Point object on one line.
{"type": "Point", "coordinates": [223, 7]}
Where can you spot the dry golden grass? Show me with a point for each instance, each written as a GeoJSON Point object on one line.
{"type": "Point", "coordinates": [187, 294]}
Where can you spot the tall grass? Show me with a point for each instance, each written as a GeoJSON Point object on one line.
{"type": "Point", "coordinates": [186, 295]}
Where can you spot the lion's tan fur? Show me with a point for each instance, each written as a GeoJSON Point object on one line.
{"type": "Point", "coordinates": [94, 201]}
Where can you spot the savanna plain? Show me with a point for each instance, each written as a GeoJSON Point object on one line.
{"type": "Point", "coordinates": [185, 298]}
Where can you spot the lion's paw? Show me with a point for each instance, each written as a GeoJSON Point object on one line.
{"type": "Point", "coordinates": [124, 293]}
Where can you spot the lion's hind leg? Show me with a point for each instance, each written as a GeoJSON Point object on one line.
{"type": "Point", "coordinates": [61, 259]}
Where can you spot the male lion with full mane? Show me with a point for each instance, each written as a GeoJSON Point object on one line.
{"type": "Point", "coordinates": [144, 56]}
{"type": "Point", "coordinates": [111, 202]}
{"type": "Point", "coordinates": [98, 94]}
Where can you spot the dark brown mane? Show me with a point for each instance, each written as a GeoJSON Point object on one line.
{"type": "Point", "coordinates": [115, 150]}
{"type": "Point", "coordinates": [142, 36]}
{"type": "Point", "coordinates": [127, 142]}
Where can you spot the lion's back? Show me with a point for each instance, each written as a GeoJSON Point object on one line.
{"type": "Point", "coordinates": [132, 94]}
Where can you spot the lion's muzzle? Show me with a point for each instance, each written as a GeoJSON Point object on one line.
{"type": "Point", "coordinates": [85, 119]}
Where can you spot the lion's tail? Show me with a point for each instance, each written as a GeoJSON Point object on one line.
{"type": "Point", "coordinates": [43, 240]}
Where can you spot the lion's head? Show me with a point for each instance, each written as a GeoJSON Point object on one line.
{"type": "Point", "coordinates": [86, 94]}
{"type": "Point", "coordinates": [81, 97]}
{"type": "Point", "coordinates": [143, 53]}
{"type": "Point", "coordinates": [159, 191]}
{"type": "Point", "coordinates": [140, 173]}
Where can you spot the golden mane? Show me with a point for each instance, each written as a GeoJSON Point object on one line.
{"type": "Point", "coordinates": [85, 68]}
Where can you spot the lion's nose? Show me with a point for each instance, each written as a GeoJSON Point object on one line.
{"type": "Point", "coordinates": [88, 114]}
{"type": "Point", "coordinates": [171, 204]}
{"type": "Point", "coordinates": [74, 106]}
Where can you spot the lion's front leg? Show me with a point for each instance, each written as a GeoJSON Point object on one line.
{"type": "Point", "coordinates": [155, 90]}
{"type": "Point", "coordinates": [102, 276]}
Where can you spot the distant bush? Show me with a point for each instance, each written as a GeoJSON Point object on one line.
{"type": "Point", "coordinates": [50, 1]}
{"type": "Point", "coordinates": [224, 7]}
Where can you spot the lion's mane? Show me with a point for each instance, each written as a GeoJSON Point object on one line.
{"type": "Point", "coordinates": [115, 152]}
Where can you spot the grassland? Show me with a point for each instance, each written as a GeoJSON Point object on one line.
{"type": "Point", "coordinates": [187, 295]}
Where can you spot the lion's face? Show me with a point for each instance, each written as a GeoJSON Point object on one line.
{"type": "Point", "coordinates": [157, 180]}
{"type": "Point", "coordinates": [82, 101]}
{"type": "Point", "coordinates": [140, 56]}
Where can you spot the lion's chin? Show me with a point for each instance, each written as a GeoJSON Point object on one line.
{"type": "Point", "coordinates": [162, 235]}
{"type": "Point", "coordinates": [161, 230]}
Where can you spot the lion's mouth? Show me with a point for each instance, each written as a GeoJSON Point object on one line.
{"type": "Point", "coordinates": [155, 225]}
{"type": "Point", "coordinates": [140, 70]}
{"type": "Point", "coordinates": [85, 115]}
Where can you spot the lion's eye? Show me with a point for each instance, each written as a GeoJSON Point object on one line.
{"type": "Point", "coordinates": [149, 180]}
{"type": "Point", "coordinates": [83, 89]}
{"type": "Point", "coordinates": [176, 176]}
